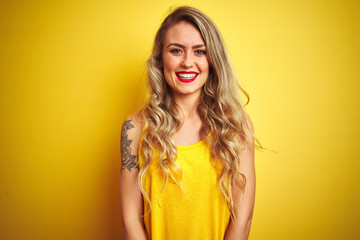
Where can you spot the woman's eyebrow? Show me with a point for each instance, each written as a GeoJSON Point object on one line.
{"type": "Point", "coordinates": [198, 46]}
{"type": "Point", "coordinates": [182, 46]}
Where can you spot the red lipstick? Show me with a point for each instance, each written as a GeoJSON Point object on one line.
{"type": "Point", "coordinates": [186, 77]}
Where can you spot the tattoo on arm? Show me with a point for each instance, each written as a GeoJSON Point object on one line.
{"type": "Point", "coordinates": [127, 160]}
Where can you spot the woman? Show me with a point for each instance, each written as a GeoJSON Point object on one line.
{"type": "Point", "coordinates": [188, 156]}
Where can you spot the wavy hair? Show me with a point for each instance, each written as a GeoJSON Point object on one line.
{"type": "Point", "coordinates": [220, 108]}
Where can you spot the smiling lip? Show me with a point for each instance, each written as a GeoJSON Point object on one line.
{"type": "Point", "coordinates": [186, 77]}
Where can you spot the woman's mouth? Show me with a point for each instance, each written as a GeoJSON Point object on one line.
{"type": "Point", "coordinates": [186, 77]}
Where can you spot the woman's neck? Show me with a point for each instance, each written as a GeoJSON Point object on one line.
{"type": "Point", "coordinates": [188, 132]}
{"type": "Point", "coordinates": [188, 105]}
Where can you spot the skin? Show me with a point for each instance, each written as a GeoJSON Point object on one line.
{"type": "Point", "coordinates": [131, 201]}
{"type": "Point", "coordinates": [184, 50]}
{"type": "Point", "coordinates": [244, 203]}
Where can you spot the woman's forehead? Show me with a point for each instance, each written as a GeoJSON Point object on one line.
{"type": "Point", "coordinates": [185, 33]}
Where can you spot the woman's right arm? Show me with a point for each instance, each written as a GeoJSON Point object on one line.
{"type": "Point", "coordinates": [131, 201]}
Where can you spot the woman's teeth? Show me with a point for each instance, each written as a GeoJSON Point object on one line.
{"type": "Point", "coordinates": [187, 75]}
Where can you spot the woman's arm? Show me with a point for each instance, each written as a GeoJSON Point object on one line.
{"type": "Point", "coordinates": [239, 229]}
{"type": "Point", "coordinates": [131, 201]}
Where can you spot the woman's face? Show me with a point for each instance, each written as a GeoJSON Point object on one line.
{"type": "Point", "coordinates": [186, 67]}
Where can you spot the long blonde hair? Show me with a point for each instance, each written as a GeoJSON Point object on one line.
{"type": "Point", "coordinates": [220, 108]}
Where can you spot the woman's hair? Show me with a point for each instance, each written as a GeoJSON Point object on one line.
{"type": "Point", "coordinates": [220, 109]}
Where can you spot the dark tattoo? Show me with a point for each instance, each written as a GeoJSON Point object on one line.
{"type": "Point", "coordinates": [127, 160]}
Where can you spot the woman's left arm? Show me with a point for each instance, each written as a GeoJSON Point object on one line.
{"type": "Point", "coordinates": [239, 229]}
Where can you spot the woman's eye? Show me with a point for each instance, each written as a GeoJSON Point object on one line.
{"type": "Point", "coordinates": [175, 51]}
{"type": "Point", "coordinates": [200, 52]}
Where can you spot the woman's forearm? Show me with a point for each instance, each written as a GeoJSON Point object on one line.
{"type": "Point", "coordinates": [238, 231]}
{"type": "Point", "coordinates": [133, 230]}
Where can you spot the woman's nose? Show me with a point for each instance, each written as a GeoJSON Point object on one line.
{"type": "Point", "coordinates": [187, 61]}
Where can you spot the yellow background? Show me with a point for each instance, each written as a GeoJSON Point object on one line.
{"type": "Point", "coordinates": [71, 71]}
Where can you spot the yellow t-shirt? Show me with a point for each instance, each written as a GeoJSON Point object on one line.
{"type": "Point", "coordinates": [198, 213]}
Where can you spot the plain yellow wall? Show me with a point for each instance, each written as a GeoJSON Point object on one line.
{"type": "Point", "coordinates": [71, 71]}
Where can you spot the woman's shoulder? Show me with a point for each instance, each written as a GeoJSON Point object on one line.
{"type": "Point", "coordinates": [132, 127]}
{"type": "Point", "coordinates": [135, 119]}
{"type": "Point", "coordinates": [249, 123]}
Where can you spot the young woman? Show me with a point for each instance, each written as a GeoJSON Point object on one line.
{"type": "Point", "coordinates": [188, 157]}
